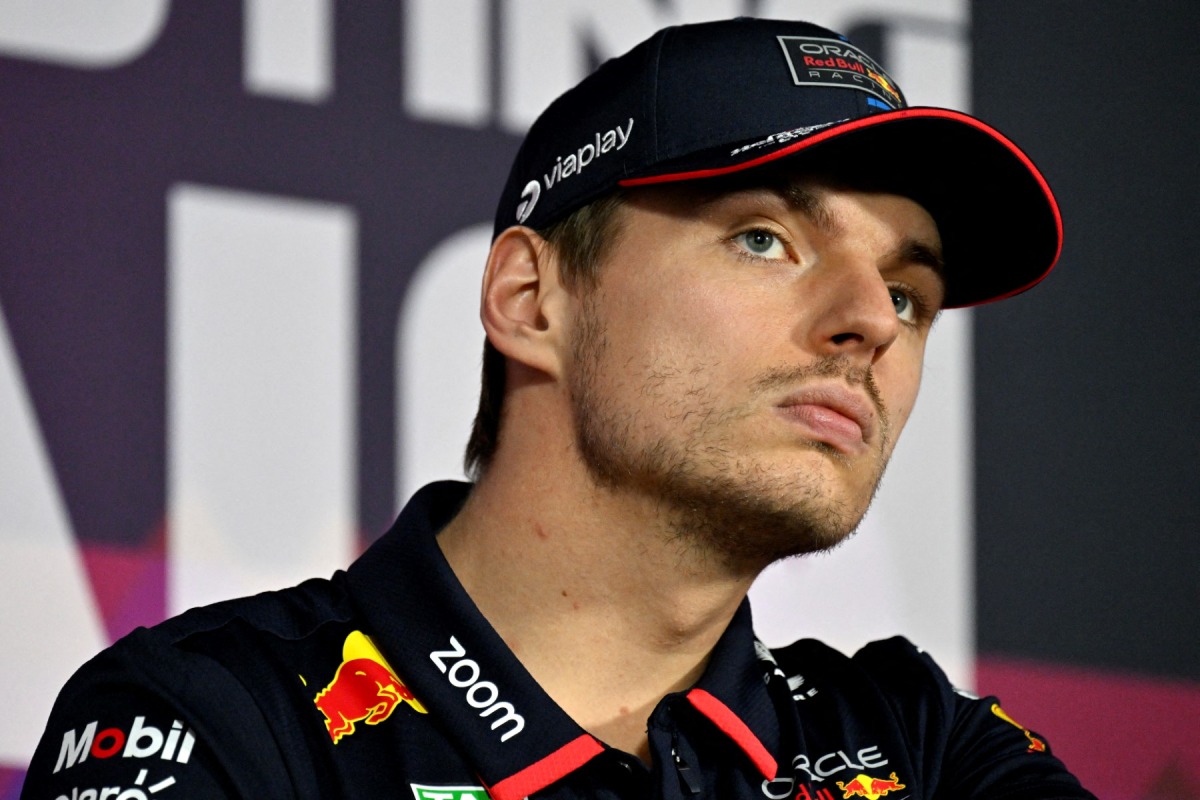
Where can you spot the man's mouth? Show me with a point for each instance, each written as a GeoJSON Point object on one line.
{"type": "Point", "coordinates": [835, 415]}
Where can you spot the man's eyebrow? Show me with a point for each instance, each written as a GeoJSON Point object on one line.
{"type": "Point", "coordinates": [808, 203]}
{"type": "Point", "coordinates": [797, 197]}
{"type": "Point", "coordinates": [923, 253]}
{"type": "Point", "coordinates": [917, 251]}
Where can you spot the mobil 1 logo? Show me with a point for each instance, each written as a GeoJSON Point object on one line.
{"type": "Point", "coordinates": [139, 741]}
{"type": "Point", "coordinates": [153, 749]}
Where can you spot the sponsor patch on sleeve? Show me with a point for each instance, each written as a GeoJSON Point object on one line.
{"type": "Point", "coordinates": [131, 759]}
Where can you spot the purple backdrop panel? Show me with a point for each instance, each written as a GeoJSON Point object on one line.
{"type": "Point", "coordinates": [1125, 737]}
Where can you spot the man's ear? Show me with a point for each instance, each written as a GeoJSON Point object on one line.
{"type": "Point", "coordinates": [523, 306]}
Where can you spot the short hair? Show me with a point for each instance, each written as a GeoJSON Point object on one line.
{"type": "Point", "coordinates": [581, 241]}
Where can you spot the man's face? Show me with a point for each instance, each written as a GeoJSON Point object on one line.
{"type": "Point", "coordinates": [750, 356]}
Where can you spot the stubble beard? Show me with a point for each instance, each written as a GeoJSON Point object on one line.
{"type": "Point", "coordinates": [715, 505]}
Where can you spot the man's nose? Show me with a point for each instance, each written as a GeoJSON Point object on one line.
{"type": "Point", "coordinates": [856, 314]}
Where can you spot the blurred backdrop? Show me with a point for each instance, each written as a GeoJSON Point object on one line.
{"type": "Point", "coordinates": [240, 245]}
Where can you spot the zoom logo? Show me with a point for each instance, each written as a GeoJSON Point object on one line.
{"type": "Point", "coordinates": [464, 673]}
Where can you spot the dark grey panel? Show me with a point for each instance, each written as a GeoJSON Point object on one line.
{"type": "Point", "coordinates": [1087, 434]}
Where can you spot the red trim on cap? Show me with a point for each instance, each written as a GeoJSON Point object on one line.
{"type": "Point", "coordinates": [733, 727]}
{"type": "Point", "coordinates": [542, 773]}
{"type": "Point", "coordinates": [877, 119]}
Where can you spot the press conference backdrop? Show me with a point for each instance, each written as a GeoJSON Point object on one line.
{"type": "Point", "coordinates": [240, 245]}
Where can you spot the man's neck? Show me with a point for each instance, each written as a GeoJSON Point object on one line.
{"type": "Point", "coordinates": [599, 600]}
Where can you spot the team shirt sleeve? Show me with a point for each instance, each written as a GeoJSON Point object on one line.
{"type": "Point", "coordinates": [970, 747]}
{"type": "Point", "coordinates": [140, 722]}
{"type": "Point", "coordinates": [991, 755]}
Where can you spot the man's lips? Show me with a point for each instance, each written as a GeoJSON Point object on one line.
{"type": "Point", "coordinates": [833, 414]}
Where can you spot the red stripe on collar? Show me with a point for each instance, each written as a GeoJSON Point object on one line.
{"type": "Point", "coordinates": [542, 773]}
{"type": "Point", "coordinates": [733, 727]}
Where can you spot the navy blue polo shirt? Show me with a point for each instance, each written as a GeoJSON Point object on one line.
{"type": "Point", "coordinates": [387, 681]}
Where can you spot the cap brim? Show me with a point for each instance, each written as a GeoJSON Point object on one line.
{"type": "Point", "coordinates": [1000, 225]}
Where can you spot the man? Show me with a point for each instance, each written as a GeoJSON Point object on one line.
{"type": "Point", "coordinates": [716, 264]}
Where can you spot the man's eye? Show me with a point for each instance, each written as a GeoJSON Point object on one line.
{"type": "Point", "coordinates": [761, 243]}
{"type": "Point", "coordinates": [906, 306]}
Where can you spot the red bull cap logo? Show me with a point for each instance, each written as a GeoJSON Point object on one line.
{"type": "Point", "coordinates": [1036, 745]}
{"type": "Point", "coordinates": [886, 85]}
{"type": "Point", "coordinates": [365, 689]}
{"type": "Point", "coordinates": [870, 788]}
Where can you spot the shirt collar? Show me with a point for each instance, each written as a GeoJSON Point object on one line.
{"type": "Point", "coordinates": [440, 645]}
{"type": "Point", "coordinates": [732, 693]}
{"type": "Point", "coordinates": [516, 736]}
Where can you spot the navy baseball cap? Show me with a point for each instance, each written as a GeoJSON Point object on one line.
{"type": "Point", "coordinates": [720, 98]}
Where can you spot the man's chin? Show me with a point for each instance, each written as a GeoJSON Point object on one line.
{"type": "Point", "coordinates": [750, 527]}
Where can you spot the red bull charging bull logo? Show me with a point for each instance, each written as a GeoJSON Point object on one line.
{"type": "Point", "coordinates": [870, 788]}
{"type": "Point", "coordinates": [1036, 745]}
{"type": "Point", "coordinates": [885, 84]}
{"type": "Point", "coordinates": [365, 689]}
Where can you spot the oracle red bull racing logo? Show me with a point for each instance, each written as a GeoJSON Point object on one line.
{"type": "Point", "coordinates": [819, 61]}
{"type": "Point", "coordinates": [365, 689]}
{"type": "Point", "coordinates": [870, 788]}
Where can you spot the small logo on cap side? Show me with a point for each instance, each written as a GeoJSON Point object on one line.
{"type": "Point", "coordinates": [574, 163]}
{"type": "Point", "coordinates": [783, 137]}
{"type": "Point", "coordinates": [816, 61]}
{"type": "Point", "coordinates": [529, 198]}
